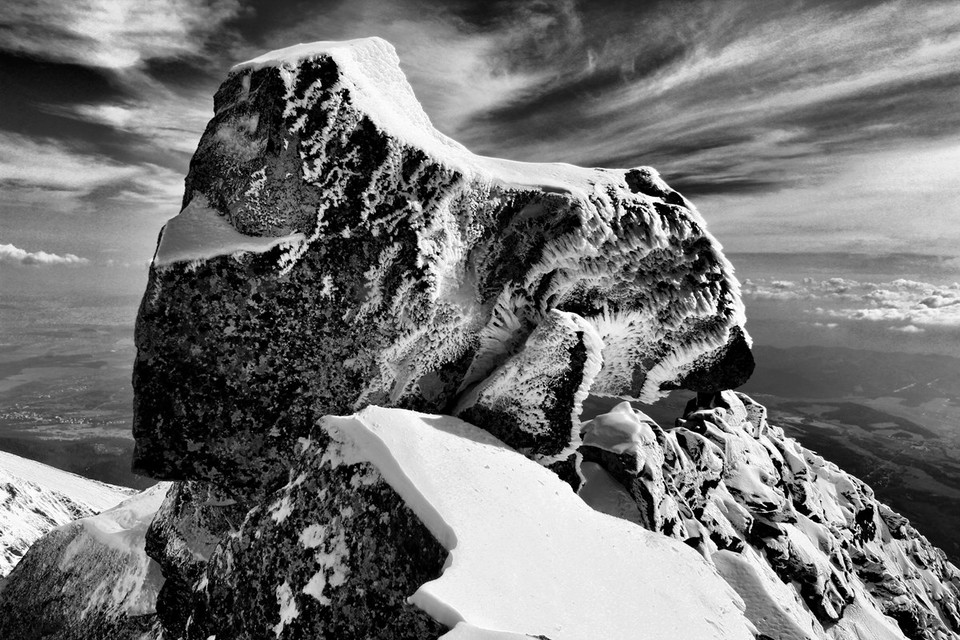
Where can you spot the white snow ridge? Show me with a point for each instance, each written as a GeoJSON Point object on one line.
{"type": "Point", "coordinates": [527, 556]}
{"type": "Point", "coordinates": [35, 498]}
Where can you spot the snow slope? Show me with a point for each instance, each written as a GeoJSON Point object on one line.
{"type": "Point", "coordinates": [200, 233]}
{"type": "Point", "coordinates": [527, 556]}
{"type": "Point", "coordinates": [35, 498]}
{"type": "Point", "coordinates": [88, 579]}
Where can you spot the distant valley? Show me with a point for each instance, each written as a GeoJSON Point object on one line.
{"type": "Point", "coordinates": [890, 418]}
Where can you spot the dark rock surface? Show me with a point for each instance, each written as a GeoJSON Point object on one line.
{"type": "Point", "coordinates": [191, 521]}
{"type": "Point", "coordinates": [335, 554]}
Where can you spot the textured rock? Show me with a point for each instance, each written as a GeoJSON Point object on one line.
{"type": "Point", "coordinates": [335, 555]}
{"type": "Point", "coordinates": [807, 545]}
{"type": "Point", "coordinates": [191, 521]}
{"type": "Point", "coordinates": [336, 251]}
{"type": "Point", "coordinates": [533, 401]}
{"type": "Point", "coordinates": [87, 580]}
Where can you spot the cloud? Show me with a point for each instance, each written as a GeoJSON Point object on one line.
{"type": "Point", "coordinates": [115, 34]}
{"type": "Point", "coordinates": [28, 163]}
{"type": "Point", "coordinates": [57, 178]}
{"type": "Point", "coordinates": [907, 306]}
{"type": "Point", "coordinates": [826, 325]}
{"type": "Point", "coordinates": [910, 328]}
{"type": "Point", "coordinates": [10, 254]}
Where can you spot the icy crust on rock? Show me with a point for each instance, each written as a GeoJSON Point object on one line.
{"type": "Point", "coordinates": [200, 233]}
{"type": "Point", "coordinates": [527, 556]}
{"type": "Point", "coordinates": [422, 269]}
{"type": "Point", "coordinates": [533, 401]}
{"type": "Point", "coordinates": [370, 72]}
{"type": "Point", "coordinates": [35, 498]}
{"type": "Point", "coordinates": [806, 545]}
{"type": "Point", "coordinates": [90, 579]}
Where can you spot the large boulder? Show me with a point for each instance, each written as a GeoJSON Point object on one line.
{"type": "Point", "coordinates": [336, 251]}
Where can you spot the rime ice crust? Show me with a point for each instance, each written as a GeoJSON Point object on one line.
{"type": "Point", "coordinates": [405, 271]}
{"type": "Point", "coordinates": [807, 546]}
{"type": "Point", "coordinates": [89, 579]}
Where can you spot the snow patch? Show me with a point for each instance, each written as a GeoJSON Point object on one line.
{"type": "Point", "coordinates": [200, 233]}
{"type": "Point", "coordinates": [527, 556]}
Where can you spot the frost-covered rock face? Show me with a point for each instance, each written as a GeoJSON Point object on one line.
{"type": "Point", "coordinates": [335, 554]}
{"type": "Point", "coordinates": [336, 251]}
{"type": "Point", "coordinates": [88, 580]}
{"type": "Point", "coordinates": [807, 546]}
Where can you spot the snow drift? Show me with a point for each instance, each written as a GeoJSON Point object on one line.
{"type": "Point", "coordinates": [526, 555]}
{"type": "Point", "coordinates": [88, 580]}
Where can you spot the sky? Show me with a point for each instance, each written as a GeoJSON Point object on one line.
{"type": "Point", "coordinates": [795, 126]}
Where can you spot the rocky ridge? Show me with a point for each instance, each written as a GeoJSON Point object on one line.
{"type": "Point", "coordinates": [34, 498]}
{"type": "Point", "coordinates": [335, 252]}
{"type": "Point", "coordinates": [88, 579]}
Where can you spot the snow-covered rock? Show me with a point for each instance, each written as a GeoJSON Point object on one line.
{"type": "Point", "coordinates": [806, 545]}
{"type": "Point", "coordinates": [35, 498]}
{"type": "Point", "coordinates": [398, 524]}
{"type": "Point", "coordinates": [88, 580]}
{"type": "Point", "coordinates": [336, 251]}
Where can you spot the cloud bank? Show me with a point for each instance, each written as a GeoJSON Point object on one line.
{"type": "Point", "coordinates": [905, 306]}
{"type": "Point", "coordinates": [12, 255]}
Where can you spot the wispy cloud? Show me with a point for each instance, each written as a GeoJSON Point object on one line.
{"type": "Point", "coordinates": [12, 255]}
{"type": "Point", "coordinates": [36, 172]}
{"type": "Point", "coordinates": [115, 34]}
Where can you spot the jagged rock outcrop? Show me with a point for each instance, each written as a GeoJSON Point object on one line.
{"type": "Point", "coordinates": [807, 545]}
{"type": "Point", "coordinates": [336, 251]}
{"type": "Point", "coordinates": [88, 580]}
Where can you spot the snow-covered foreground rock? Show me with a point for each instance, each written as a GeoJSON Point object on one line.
{"type": "Point", "coordinates": [336, 251]}
{"type": "Point", "coordinates": [524, 554]}
{"type": "Point", "coordinates": [88, 580]}
{"type": "Point", "coordinates": [806, 545]}
{"type": "Point", "coordinates": [34, 498]}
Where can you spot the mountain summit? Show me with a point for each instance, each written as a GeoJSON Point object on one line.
{"type": "Point", "coordinates": [366, 358]}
